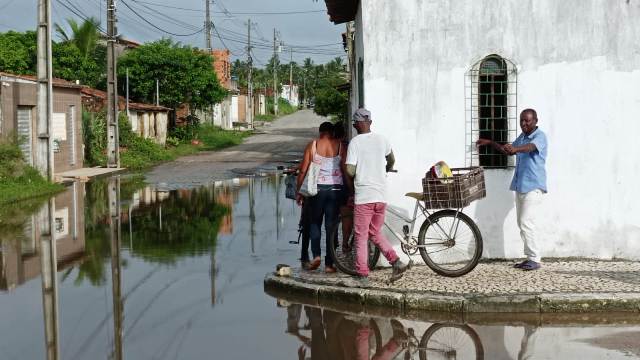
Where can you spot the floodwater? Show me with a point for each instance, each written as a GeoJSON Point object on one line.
{"type": "Point", "coordinates": [184, 281]}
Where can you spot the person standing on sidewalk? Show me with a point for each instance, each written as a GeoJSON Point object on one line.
{"type": "Point", "coordinates": [328, 153]}
{"type": "Point", "coordinates": [366, 164]}
{"type": "Point", "coordinates": [529, 182]}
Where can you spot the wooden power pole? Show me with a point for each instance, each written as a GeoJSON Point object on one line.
{"type": "Point", "coordinates": [113, 145]}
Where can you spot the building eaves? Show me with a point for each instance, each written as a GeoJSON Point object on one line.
{"type": "Point", "coordinates": [32, 79]}
{"type": "Point", "coordinates": [342, 11]}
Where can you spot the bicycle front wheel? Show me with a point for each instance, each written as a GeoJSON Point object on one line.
{"type": "Point", "coordinates": [343, 248]}
{"type": "Point", "coordinates": [451, 341]}
{"type": "Point", "coordinates": [450, 243]}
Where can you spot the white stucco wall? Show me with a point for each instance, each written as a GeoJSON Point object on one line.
{"type": "Point", "coordinates": [578, 65]}
{"type": "Point", "coordinates": [234, 109]}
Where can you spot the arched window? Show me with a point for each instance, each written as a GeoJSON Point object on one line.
{"type": "Point", "coordinates": [491, 110]}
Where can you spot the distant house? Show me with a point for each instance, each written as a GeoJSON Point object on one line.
{"type": "Point", "coordinates": [439, 74]}
{"type": "Point", "coordinates": [147, 120]}
{"type": "Point", "coordinates": [290, 93]}
{"type": "Point", "coordinates": [18, 101]}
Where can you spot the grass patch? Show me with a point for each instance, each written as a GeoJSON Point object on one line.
{"type": "Point", "coordinates": [266, 117]}
{"type": "Point", "coordinates": [214, 138]}
{"type": "Point", "coordinates": [19, 181]}
{"type": "Point", "coordinates": [137, 153]}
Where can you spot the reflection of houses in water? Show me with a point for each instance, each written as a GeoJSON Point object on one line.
{"type": "Point", "coordinates": [20, 254]}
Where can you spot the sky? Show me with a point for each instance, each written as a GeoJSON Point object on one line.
{"type": "Point", "coordinates": [302, 25]}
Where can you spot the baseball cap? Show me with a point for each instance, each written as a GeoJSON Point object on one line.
{"type": "Point", "coordinates": [362, 114]}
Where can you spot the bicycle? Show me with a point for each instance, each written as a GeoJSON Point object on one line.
{"type": "Point", "coordinates": [449, 241]}
{"type": "Point", "coordinates": [445, 341]}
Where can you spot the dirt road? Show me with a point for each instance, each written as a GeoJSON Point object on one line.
{"type": "Point", "coordinates": [274, 144]}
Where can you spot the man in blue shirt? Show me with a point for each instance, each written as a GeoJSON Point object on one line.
{"type": "Point", "coordinates": [529, 181]}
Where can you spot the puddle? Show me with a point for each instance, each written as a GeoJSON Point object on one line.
{"type": "Point", "coordinates": [184, 281]}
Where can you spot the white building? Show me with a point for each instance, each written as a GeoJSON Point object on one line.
{"type": "Point", "coordinates": [433, 72]}
{"type": "Point", "coordinates": [290, 93]}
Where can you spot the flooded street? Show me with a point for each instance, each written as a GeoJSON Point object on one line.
{"type": "Point", "coordinates": [186, 282]}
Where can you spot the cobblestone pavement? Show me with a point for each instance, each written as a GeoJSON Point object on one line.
{"type": "Point", "coordinates": [500, 278]}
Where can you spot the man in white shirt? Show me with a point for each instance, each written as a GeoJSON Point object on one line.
{"type": "Point", "coordinates": [369, 158]}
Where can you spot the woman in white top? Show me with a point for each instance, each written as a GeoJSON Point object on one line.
{"type": "Point", "coordinates": [327, 152]}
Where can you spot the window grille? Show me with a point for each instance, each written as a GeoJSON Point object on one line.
{"type": "Point", "coordinates": [491, 110]}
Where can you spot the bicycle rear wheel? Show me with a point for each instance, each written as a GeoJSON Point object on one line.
{"type": "Point", "coordinates": [450, 243]}
{"type": "Point", "coordinates": [449, 341]}
{"type": "Point", "coordinates": [344, 256]}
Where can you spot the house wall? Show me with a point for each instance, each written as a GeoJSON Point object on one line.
{"type": "Point", "coordinates": [69, 154]}
{"type": "Point", "coordinates": [161, 127]}
{"type": "Point", "coordinates": [233, 109]}
{"type": "Point", "coordinates": [578, 65]}
{"type": "Point", "coordinates": [242, 108]}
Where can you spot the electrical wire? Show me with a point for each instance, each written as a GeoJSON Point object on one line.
{"type": "Point", "coordinates": [227, 12]}
{"type": "Point", "coordinates": [156, 27]}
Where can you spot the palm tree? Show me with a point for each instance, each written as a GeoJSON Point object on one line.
{"type": "Point", "coordinates": [84, 36]}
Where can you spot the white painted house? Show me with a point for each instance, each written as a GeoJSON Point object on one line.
{"type": "Point", "coordinates": [436, 72]}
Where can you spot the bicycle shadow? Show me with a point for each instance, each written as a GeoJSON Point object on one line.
{"type": "Point", "coordinates": [492, 211]}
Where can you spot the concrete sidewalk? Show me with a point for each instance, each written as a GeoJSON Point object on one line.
{"type": "Point", "coordinates": [560, 286]}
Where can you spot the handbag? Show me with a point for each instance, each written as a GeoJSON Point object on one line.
{"type": "Point", "coordinates": [310, 183]}
{"type": "Point", "coordinates": [290, 184]}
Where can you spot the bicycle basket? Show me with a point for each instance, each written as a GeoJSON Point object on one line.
{"type": "Point", "coordinates": [466, 186]}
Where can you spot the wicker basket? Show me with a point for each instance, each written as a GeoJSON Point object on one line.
{"type": "Point", "coordinates": [466, 185]}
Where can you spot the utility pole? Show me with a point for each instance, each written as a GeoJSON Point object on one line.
{"type": "Point", "coordinates": [207, 27]}
{"type": "Point", "coordinates": [127, 92]}
{"type": "Point", "coordinates": [157, 92]}
{"type": "Point", "coordinates": [116, 274]}
{"type": "Point", "coordinates": [275, 73]}
{"type": "Point", "coordinates": [113, 145]}
{"type": "Point", "coordinates": [44, 151]}
{"type": "Point", "coordinates": [290, 74]}
{"type": "Point", "coordinates": [249, 83]}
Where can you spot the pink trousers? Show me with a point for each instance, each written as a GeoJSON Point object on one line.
{"type": "Point", "coordinates": [368, 220]}
{"type": "Point", "coordinates": [387, 352]}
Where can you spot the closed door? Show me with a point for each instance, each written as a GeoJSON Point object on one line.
{"type": "Point", "coordinates": [25, 133]}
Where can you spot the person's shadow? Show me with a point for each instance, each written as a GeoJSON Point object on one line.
{"type": "Point", "coordinates": [492, 211]}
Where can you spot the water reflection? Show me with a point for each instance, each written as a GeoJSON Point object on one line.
{"type": "Point", "coordinates": [332, 333]}
{"type": "Point", "coordinates": [129, 265]}
{"type": "Point", "coordinates": [146, 272]}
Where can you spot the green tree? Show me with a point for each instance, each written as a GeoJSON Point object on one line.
{"type": "Point", "coordinates": [84, 36]}
{"type": "Point", "coordinates": [185, 74]}
{"type": "Point", "coordinates": [18, 52]}
{"type": "Point", "coordinates": [330, 101]}
{"type": "Point", "coordinates": [69, 63]}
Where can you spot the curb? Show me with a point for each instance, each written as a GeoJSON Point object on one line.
{"type": "Point", "coordinates": [407, 302]}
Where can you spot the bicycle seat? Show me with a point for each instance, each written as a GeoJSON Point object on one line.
{"type": "Point", "coordinates": [416, 195]}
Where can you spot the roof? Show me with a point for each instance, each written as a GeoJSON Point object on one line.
{"type": "Point", "coordinates": [341, 11]}
{"type": "Point", "coordinates": [61, 83]}
{"type": "Point", "coordinates": [95, 93]}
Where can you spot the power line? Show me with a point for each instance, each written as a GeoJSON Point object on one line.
{"type": "Point", "coordinates": [156, 27]}
{"type": "Point", "coordinates": [215, 28]}
{"type": "Point", "coordinates": [227, 12]}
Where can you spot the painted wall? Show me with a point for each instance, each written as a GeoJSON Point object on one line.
{"type": "Point", "coordinates": [234, 109]}
{"type": "Point", "coordinates": [578, 64]}
{"type": "Point", "coordinates": [67, 119]}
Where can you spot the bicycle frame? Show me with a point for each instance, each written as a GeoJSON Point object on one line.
{"type": "Point", "coordinates": [404, 238]}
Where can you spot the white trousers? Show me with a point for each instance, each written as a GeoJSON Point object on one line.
{"type": "Point", "coordinates": [527, 210]}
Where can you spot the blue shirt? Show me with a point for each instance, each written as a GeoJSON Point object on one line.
{"type": "Point", "coordinates": [530, 171]}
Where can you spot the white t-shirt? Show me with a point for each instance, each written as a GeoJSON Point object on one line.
{"type": "Point", "coordinates": [367, 152]}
